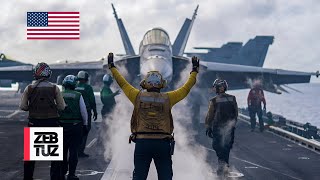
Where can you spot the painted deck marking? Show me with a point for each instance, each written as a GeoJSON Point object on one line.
{"type": "Point", "coordinates": [91, 143]}
{"type": "Point", "coordinates": [260, 166]}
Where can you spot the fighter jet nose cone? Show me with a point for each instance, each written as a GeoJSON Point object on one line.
{"type": "Point", "coordinates": [157, 65]}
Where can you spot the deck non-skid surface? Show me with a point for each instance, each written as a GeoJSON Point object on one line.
{"type": "Point", "coordinates": [254, 155]}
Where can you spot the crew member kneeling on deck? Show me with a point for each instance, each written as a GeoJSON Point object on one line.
{"type": "Point", "coordinates": [151, 122]}
{"type": "Point", "coordinates": [220, 123]}
{"type": "Point", "coordinates": [74, 120]}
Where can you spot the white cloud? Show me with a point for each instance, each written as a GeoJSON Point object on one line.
{"type": "Point", "coordinates": [294, 24]}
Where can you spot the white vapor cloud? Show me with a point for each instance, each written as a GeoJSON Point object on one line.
{"type": "Point", "coordinates": [294, 24]}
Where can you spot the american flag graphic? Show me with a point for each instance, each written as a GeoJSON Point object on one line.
{"type": "Point", "coordinates": [53, 25]}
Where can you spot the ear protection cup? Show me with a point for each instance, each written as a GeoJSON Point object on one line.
{"type": "Point", "coordinates": [218, 83]}
{"type": "Point", "coordinates": [143, 84]}
{"type": "Point", "coordinates": [164, 83]}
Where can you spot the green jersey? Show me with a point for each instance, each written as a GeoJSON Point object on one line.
{"type": "Point", "coordinates": [71, 113]}
{"type": "Point", "coordinates": [88, 96]}
{"type": "Point", "coordinates": [107, 96]}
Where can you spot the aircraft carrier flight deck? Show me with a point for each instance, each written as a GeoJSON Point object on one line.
{"type": "Point", "coordinates": [254, 155]}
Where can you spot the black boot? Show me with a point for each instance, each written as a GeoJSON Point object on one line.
{"type": "Point", "coordinates": [83, 155]}
{"type": "Point", "coordinates": [72, 177]}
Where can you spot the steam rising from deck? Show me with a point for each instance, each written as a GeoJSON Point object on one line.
{"type": "Point", "coordinates": [189, 160]}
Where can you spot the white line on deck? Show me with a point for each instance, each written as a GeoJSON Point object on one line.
{"type": "Point", "coordinates": [13, 114]}
{"type": "Point", "coordinates": [254, 164]}
{"type": "Point", "coordinates": [4, 110]}
{"type": "Point", "coordinates": [91, 143]}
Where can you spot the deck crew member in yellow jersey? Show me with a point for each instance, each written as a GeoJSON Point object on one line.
{"type": "Point", "coordinates": [151, 121]}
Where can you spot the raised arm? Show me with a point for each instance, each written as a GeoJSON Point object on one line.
{"type": "Point", "coordinates": [127, 88]}
{"type": "Point", "coordinates": [179, 94]}
{"type": "Point", "coordinates": [182, 92]}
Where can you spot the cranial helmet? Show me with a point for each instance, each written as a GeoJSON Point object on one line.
{"type": "Point", "coordinates": [153, 79]}
{"type": "Point", "coordinates": [218, 83]}
{"type": "Point", "coordinates": [42, 70]}
{"type": "Point", "coordinates": [83, 75]}
{"type": "Point", "coordinates": [70, 80]}
{"type": "Point", "coordinates": [107, 79]}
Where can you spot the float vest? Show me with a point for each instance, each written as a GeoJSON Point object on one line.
{"type": "Point", "coordinates": [152, 118]}
{"type": "Point", "coordinates": [83, 89]}
{"type": "Point", "coordinates": [42, 102]}
{"type": "Point", "coordinates": [72, 113]}
{"type": "Point", "coordinates": [255, 98]}
{"type": "Point", "coordinates": [224, 109]}
{"type": "Point", "coordinates": [106, 97]}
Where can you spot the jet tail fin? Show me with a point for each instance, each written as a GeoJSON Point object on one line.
{"type": "Point", "coordinates": [181, 41]}
{"type": "Point", "coordinates": [254, 52]}
{"type": "Point", "coordinates": [124, 35]}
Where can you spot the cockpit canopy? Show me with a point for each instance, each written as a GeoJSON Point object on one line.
{"type": "Point", "coordinates": [156, 36]}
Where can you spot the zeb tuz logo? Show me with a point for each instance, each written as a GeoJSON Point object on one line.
{"type": "Point", "coordinates": [43, 143]}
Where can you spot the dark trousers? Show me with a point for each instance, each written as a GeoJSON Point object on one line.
{"type": "Point", "coordinates": [104, 126]}
{"type": "Point", "coordinates": [72, 136]}
{"type": "Point", "coordinates": [85, 135]}
{"type": "Point", "coordinates": [55, 170]}
{"type": "Point", "coordinates": [159, 151]}
{"type": "Point", "coordinates": [252, 112]}
{"type": "Point", "coordinates": [106, 110]}
{"type": "Point", "coordinates": [222, 142]}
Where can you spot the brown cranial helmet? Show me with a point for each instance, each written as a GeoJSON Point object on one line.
{"type": "Point", "coordinates": [153, 79]}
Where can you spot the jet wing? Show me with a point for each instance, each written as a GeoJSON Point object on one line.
{"type": "Point", "coordinates": [240, 76]}
{"type": "Point", "coordinates": [6, 62]}
{"type": "Point", "coordinates": [24, 73]}
{"type": "Point", "coordinates": [16, 73]}
{"type": "Point", "coordinates": [91, 65]}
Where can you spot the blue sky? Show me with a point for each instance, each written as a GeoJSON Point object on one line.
{"type": "Point", "coordinates": [295, 25]}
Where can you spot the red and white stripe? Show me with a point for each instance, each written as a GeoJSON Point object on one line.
{"type": "Point", "coordinates": [26, 144]}
{"type": "Point", "coordinates": [61, 26]}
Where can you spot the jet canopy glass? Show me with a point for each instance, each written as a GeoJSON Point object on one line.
{"type": "Point", "coordinates": [156, 36]}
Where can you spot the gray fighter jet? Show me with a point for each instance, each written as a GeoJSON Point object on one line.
{"type": "Point", "coordinates": [253, 53]}
{"type": "Point", "coordinates": [157, 53]}
{"type": "Point", "coordinates": [7, 62]}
